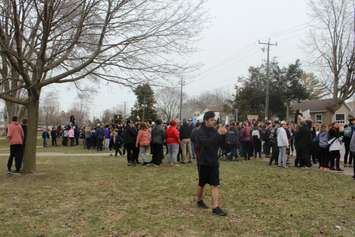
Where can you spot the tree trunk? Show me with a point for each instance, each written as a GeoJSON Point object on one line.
{"type": "Point", "coordinates": [31, 139]}
{"type": "Point", "coordinates": [335, 88]}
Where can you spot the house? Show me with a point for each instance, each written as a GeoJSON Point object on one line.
{"type": "Point", "coordinates": [324, 111]}
{"type": "Point", "coordinates": [352, 106]}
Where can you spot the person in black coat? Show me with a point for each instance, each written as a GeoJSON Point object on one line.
{"type": "Point", "coordinates": [129, 139]}
{"type": "Point", "coordinates": [54, 136]}
{"type": "Point", "coordinates": [303, 144]}
{"type": "Point", "coordinates": [77, 135]}
{"type": "Point", "coordinates": [209, 141]}
{"type": "Point", "coordinates": [157, 144]}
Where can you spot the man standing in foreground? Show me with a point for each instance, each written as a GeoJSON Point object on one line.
{"type": "Point", "coordinates": [209, 140]}
{"type": "Point", "coordinates": [15, 135]}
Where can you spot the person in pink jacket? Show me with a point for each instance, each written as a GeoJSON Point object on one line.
{"type": "Point", "coordinates": [143, 142]}
{"type": "Point", "coordinates": [71, 136]}
{"type": "Point", "coordinates": [15, 135]}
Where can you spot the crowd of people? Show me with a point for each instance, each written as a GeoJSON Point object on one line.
{"type": "Point", "coordinates": [310, 143]}
{"type": "Point", "coordinates": [70, 135]}
{"type": "Point", "coordinates": [137, 139]}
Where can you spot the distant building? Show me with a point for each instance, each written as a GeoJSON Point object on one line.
{"type": "Point", "coordinates": [324, 111]}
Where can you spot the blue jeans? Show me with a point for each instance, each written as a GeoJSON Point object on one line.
{"type": "Point", "coordinates": [143, 153]}
{"type": "Point", "coordinates": [45, 142]}
{"type": "Point", "coordinates": [173, 152]}
{"type": "Point", "coordinates": [233, 152]}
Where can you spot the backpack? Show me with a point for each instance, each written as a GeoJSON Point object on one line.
{"type": "Point", "coordinates": [231, 137]}
{"type": "Point", "coordinates": [322, 139]}
{"type": "Point", "coordinates": [347, 132]}
{"type": "Point", "coordinates": [119, 139]}
{"type": "Point", "coordinates": [255, 133]}
{"type": "Point", "coordinates": [157, 135]}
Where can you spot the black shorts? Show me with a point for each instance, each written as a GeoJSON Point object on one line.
{"type": "Point", "coordinates": [208, 175]}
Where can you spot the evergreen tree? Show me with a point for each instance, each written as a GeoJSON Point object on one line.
{"type": "Point", "coordinates": [286, 86]}
{"type": "Point", "coordinates": [144, 108]}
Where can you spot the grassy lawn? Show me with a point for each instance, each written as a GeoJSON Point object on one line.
{"type": "Point", "coordinates": [67, 149]}
{"type": "Point", "coordinates": [101, 196]}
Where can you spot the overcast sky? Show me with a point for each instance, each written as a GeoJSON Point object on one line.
{"type": "Point", "coordinates": [227, 47]}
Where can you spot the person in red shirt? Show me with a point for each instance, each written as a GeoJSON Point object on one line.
{"type": "Point", "coordinates": [16, 136]}
{"type": "Point", "coordinates": [173, 142]}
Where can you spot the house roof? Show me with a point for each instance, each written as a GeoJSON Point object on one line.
{"type": "Point", "coordinates": [352, 105]}
{"type": "Point", "coordinates": [316, 105]}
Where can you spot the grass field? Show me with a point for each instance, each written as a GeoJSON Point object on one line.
{"type": "Point", "coordinates": [101, 196]}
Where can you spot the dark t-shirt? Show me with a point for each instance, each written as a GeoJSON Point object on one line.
{"type": "Point", "coordinates": [209, 142]}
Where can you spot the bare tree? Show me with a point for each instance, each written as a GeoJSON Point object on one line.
{"type": "Point", "coordinates": [219, 98]}
{"type": "Point", "coordinates": [168, 103]}
{"type": "Point", "coordinates": [9, 78]}
{"type": "Point", "coordinates": [121, 41]}
{"type": "Point", "coordinates": [10, 87]}
{"type": "Point", "coordinates": [315, 88]}
{"type": "Point", "coordinates": [109, 114]}
{"type": "Point", "coordinates": [80, 112]}
{"type": "Point", "coordinates": [332, 41]}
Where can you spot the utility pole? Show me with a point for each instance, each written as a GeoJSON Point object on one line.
{"type": "Point", "coordinates": [181, 92]}
{"type": "Point", "coordinates": [267, 99]}
{"type": "Point", "coordinates": [124, 110]}
{"type": "Point", "coordinates": [143, 116]}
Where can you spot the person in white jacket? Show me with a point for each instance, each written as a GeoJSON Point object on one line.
{"type": "Point", "coordinates": [282, 143]}
{"type": "Point", "coordinates": [335, 145]}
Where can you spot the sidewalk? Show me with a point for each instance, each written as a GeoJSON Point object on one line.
{"type": "Point", "coordinates": [60, 154]}
{"type": "Point", "coordinates": [347, 171]}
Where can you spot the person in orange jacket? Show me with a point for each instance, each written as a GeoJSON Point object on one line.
{"type": "Point", "coordinates": [143, 141]}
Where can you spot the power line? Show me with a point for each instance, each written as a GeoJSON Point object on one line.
{"type": "Point", "coordinates": [293, 31]}
{"type": "Point", "coordinates": [218, 67]}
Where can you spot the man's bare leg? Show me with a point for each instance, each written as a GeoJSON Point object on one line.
{"type": "Point", "coordinates": [215, 196]}
{"type": "Point", "coordinates": [199, 197]}
{"type": "Point", "coordinates": [216, 210]}
{"type": "Point", "coordinates": [199, 194]}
